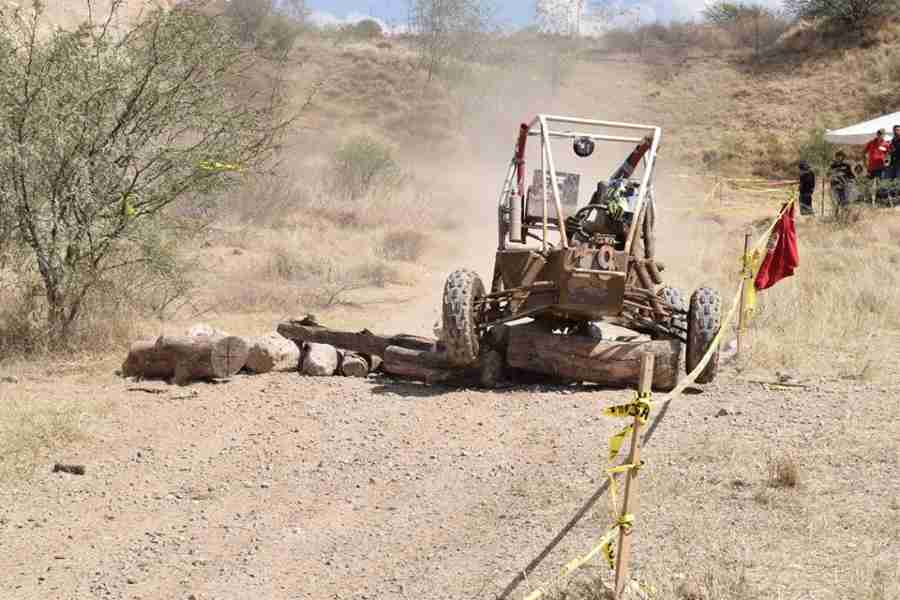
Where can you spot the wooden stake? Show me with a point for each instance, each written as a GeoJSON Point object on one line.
{"type": "Point", "coordinates": [630, 502]}
{"type": "Point", "coordinates": [746, 262]}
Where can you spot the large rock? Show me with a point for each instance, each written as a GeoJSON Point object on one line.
{"type": "Point", "coordinates": [273, 353]}
{"type": "Point", "coordinates": [319, 360]}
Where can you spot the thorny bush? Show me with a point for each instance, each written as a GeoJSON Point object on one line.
{"type": "Point", "coordinates": [104, 128]}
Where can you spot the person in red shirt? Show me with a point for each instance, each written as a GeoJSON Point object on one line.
{"type": "Point", "coordinates": [877, 152]}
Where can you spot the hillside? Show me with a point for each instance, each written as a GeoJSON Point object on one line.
{"type": "Point", "coordinates": [742, 115]}
{"type": "Point", "coordinates": [69, 13]}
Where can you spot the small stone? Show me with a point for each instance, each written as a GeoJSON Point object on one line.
{"type": "Point", "coordinates": [9, 379]}
{"type": "Point", "coordinates": [131, 581]}
{"type": "Point", "coordinates": [722, 413]}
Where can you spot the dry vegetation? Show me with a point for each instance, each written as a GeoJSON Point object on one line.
{"type": "Point", "coordinates": [740, 116]}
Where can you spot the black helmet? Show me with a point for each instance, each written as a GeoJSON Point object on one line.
{"type": "Point", "coordinates": [583, 147]}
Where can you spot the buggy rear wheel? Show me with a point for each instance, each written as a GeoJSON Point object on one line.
{"type": "Point", "coordinates": [704, 319]}
{"type": "Point", "coordinates": [460, 316]}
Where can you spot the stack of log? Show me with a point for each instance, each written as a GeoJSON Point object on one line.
{"type": "Point", "coordinates": [508, 350]}
{"type": "Point", "coordinates": [204, 353]}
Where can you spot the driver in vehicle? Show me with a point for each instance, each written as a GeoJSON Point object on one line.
{"type": "Point", "coordinates": [610, 210]}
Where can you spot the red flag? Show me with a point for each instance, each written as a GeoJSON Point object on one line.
{"type": "Point", "coordinates": [782, 255]}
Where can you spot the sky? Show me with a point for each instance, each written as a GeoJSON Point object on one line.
{"type": "Point", "coordinates": [511, 12]}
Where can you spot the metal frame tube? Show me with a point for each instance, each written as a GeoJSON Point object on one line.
{"type": "Point", "coordinates": [593, 136]}
{"type": "Point", "coordinates": [504, 201]}
{"type": "Point", "coordinates": [645, 183]}
{"type": "Point", "coordinates": [544, 151]}
{"type": "Point", "coordinates": [613, 124]}
{"type": "Point", "coordinates": [547, 162]}
{"type": "Point", "coordinates": [564, 239]}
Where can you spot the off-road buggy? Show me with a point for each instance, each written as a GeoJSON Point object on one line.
{"type": "Point", "coordinates": [597, 264]}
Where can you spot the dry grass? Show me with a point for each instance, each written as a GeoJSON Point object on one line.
{"type": "Point", "coordinates": [783, 471]}
{"type": "Point", "coordinates": [840, 304]}
{"type": "Point", "coordinates": [833, 316]}
{"type": "Point", "coordinates": [740, 118]}
{"type": "Point", "coordinates": [108, 322]}
{"type": "Point", "coordinates": [32, 426]}
{"type": "Point", "coordinates": [405, 245]}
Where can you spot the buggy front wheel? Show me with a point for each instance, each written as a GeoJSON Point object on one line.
{"type": "Point", "coordinates": [460, 316]}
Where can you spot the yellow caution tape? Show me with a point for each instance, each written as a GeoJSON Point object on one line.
{"type": "Point", "coordinates": [752, 262]}
{"type": "Point", "coordinates": [614, 487]}
{"type": "Point", "coordinates": [719, 178]}
{"type": "Point", "coordinates": [576, 564]}
{"type": "Point", "coordinates": [763, 190]}
{"type": "Point", "coordinates": [639, 409]}
{"type": "Point", "coordinates": [609, 554]}
{"type": "Point", "coordinates": [616, 441]}
{"type": "Point", "coordinates": [219, 167]}
{"type": "Point", "coordinates": [625, 523]}
{"type": "Point", "coordinates": [762, 181]}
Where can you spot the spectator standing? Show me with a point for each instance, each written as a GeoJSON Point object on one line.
{"type": "Point", "coordinates": [894, 167]}
{"type": "Point", "coordinates": [807, 187]}
{"type": "Point", "coordinates": [842, 178]}
{"type": "Point", "coordinates": [877, 154]}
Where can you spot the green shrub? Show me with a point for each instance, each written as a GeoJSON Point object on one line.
{"type": "Point", "coordinates": [849, 13]}
{"type": "Point", "coordinates": [366, 29]}
{"type": "Point", "coordinates": [111, 142]}
{"type": "Point", "coordinates": [363, 165]}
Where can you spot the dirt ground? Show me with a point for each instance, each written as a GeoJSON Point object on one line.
{"type": "Point", "coordinates": [279, 486]}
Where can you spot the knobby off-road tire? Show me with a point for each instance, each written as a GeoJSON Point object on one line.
{"type": "Point", "coordinates": [704, 320]}
{"type": "Point", "coordinates": [462, 289]}
{"type": "Point", "coordinates": [674, 298]}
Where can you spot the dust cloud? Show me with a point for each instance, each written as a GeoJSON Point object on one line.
{"type": "Point", "coordinates": [470, 178]}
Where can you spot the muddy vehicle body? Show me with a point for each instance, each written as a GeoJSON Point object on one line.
{"type": "Point", "coordinates": [596, 263]}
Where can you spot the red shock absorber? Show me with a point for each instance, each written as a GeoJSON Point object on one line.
{"type": "Point", "coordinates": [631, 163]}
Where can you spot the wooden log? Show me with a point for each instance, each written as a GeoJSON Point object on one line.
{"type": "Point", "coordinates": [353, 364]}
{"type": "Point", "coordinates": [363, 342]}
{"type": "Point", "coordinates": [272, 353]}
{"type": "Point", "coordinates": [427, 366]}
{"type": "Point", "coordinates": [204, 357]}
{"type": "Point", "coordinates": [319, 360]}
{"type": "Point", "coordinates": [581, 358]}
{"type": "Point", "coordinates": [146, 360]}
{"type": "Point", "coordinates": [186, 358]}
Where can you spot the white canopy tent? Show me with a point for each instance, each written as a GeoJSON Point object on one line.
{"type": "Point", "coordinates": [862, 133]}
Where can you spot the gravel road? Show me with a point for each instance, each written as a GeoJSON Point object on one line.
{"type": "Point", "coordinates": [280, 486]}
